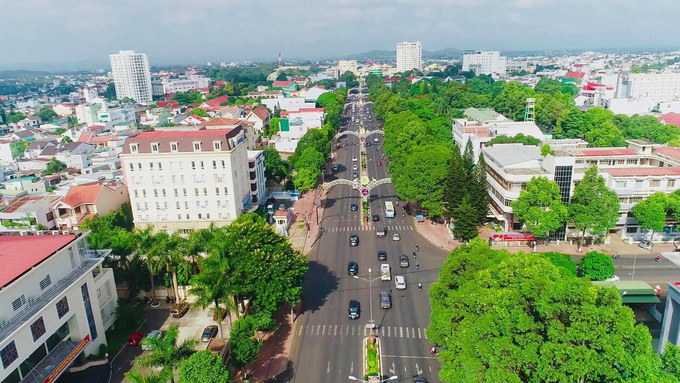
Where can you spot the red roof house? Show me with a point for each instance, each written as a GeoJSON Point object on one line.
{"type": "Point", "coordinates": [670, 119]}
{"type": "Point", "coordinates": [214, 104]}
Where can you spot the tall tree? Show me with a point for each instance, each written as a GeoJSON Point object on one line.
{"type": "Point", "coordinates": [596, 266]}
{"type": "Point", "coordinates": [465, 216]}
{"type": "Point", "coordinates": [456, 183]}
{"type": "Point", "coordinates": [594, 207]}
{"type": "Point", "coordinates": [469, 159]}
{"type": "Point", "coordinates": [203, 367]}
{"type": "Point", "coordinates": [166, 352]}
{"type": "Point", "coordinates": [540, 207]}
{"type": "Point", "coordinates": [167, 254]}
{"type": "Point", "coordinates": [47, 114]}
{"type": "Point", "coordinates": [479, 191]}
{"type": "Point", "coordinates": [275, 168]}
{"type": "Point", "coordinates": [651, 213]}
{"type": "Point", "coordinates": [143, 242]}
{"type": "Point", "coordinates": [154, 377]}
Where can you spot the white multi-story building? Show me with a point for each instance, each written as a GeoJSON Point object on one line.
{"type": "Point", "coordinates": [409, 56]}
{"type": "Point", "coordinates": [480, 133]}
{"type": "Point", "coordinates": [348, 66]}
{"type": "Point", "coordinates": [258, 181]}
{"type": "Point", "coordinates": [180, 180]}
{"type": "Point", "coordinates": [167, 85]}
{"type": "Point", "coordinates": [655, 86]}
{"type": "Point", "coordinates": [131, 76]}
{"type": "Point", "coordinates": [98, 112]}
{"type": "Point", "coordinates": [294, 125]}
{"type": "Point", "coordinates": [56, 302]}
{"type": "Point", "coordinates": [484, 62]}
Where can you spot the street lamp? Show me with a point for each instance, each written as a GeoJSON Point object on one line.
{"type": "Point", "coordinates": [393, 377]}
{"type": "Point", "coordinates": [370, 294]}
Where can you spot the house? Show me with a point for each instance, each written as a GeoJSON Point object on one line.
{"type": "Point", "coordinates": [64, 109]}
{"type": "Point", "coordinates": [30, 122]}
{"type": "Point", "coordinates": [36, 147]}
{"type": "Point", "coordinates": [230, 111]}
{"type": "Point", "coordinates": [73, 154]}
{"type": "Point", "coordinates": [29, 210]}
{"type": "Point", "coordinates": [670, 119]}
{"type": "Point", "coordinates": [265, 94]}
{"type": "Point", "coordinates": [6, 151]}
{"type": "Point", "coordinates": [23, 135]}
{"type": "Point", "coordinates": [293, 125]}
{"type": "Point", "coordinates": [214, 104]}
{"type": "Point", "coordinates": [312, 94]}
{"type": "Point", "coordinates": [291, 104]}
{"type": "Point", "coordinates": [86, 201]}
{"type": "Point", "coordinates": [286, 86]}
{"type": "Point", "coordinates": [301, 81]}
{"type": "Point", "coordinates": [30, 184]}
{"type": "Point", "coordinates": [260, 118]}
{"type": "Point", "coordinates": [193, 120]}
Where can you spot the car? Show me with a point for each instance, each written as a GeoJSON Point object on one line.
{"type": "Point", "coordinates": [420, 379]}
{"type": "Point", "coordinates": [613, 279]}
{"type": "Point", "coordinates": [382, 255]}
{"type": "Point", "coordinates": [352, 268]}
{"type": "Point", "coordinates": [209, 333]}
{"type": "Point", "coordinates": [353, 240]}
{"type": "Point", "coordinates": [335, 168]}
{"type": "Point", "coordinates": [355, 167]}
{"type": "Point", "coordinates": [354, 159]}
{"type": "Point", "coordinates": [179, 309]}
{"type": "Point", "coordinates": [400, 282]}
{"type": "Point", "coordinates": [354, 309]}
{"type": "Point", "coordinates": [403, 261]}
{"type": "Point", "coordinates": [376, 218]}
{"type": "Point", "coordinates": [151, 335]}
{"type": "Point", "coordinates": [376, 139]}
{"type": "Point", "coordinates": [396, 237]}
{"type": "Point", "coordinates": [354, 207]}
{"type": "Point", "coordinates": [368, 143]}
{"type": "Point", "coordinates": [355, 175]}
{"type": "Point", "coordinates": [379, 163]}
{"type": "Point", "coordinates": [647, 245]}
{"type": "Point", "coordinates": [385, 300]}
{"type": "Point", "coordinates": [135, 339]}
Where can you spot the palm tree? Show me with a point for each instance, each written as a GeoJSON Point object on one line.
{"type": "Point", "coordinates": [143, 241]}
{"type": "Point", "coordinates": [138, 377]}
{"type": "Point", "coordinates": [200, 242]}
{"type": "Point", "coordinates": [166, 353]}
{"type": "Point", "coordinates": [167, 255]}
{"type": "Point", "coordinates": [213, 285]}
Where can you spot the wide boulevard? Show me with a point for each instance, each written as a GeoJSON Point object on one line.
{"type": "Point", "coordinates": [328, 346]}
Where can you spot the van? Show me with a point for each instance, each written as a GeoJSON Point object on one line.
{"type": "Point", "coordinates": [179, 309]}
{"type": "Point", "coordinates": [380, 231]}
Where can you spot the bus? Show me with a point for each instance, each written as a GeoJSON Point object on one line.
{"type": "Point", "coordinates": [389, 209]}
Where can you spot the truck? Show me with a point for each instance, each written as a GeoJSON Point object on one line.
{"type": "Point", "coordinates": [385, 274]}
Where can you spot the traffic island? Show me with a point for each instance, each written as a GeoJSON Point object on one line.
{"type": "Point", "coordinates": [372, 359]}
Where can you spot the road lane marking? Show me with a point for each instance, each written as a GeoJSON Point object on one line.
{"type": "Point", "coordinates": [352, 330]}
{"type": "Point", "coordinates": [346, 330]}
{"type": "Point", "coordinates": [300, 332]}
{"type": "Point", "coordinates": [419, 336]}
{"type": "Point", "coordinates": [318, 329]}
{"type": "Point", "coordinates": [351, 368]}
{"type": "Point", "coordinates": [401, 332]}
{"type": "Point", "coordinates": [407, 332]}
{"type": "Point", "coordinates": [388, 331]}
{"type": "Point", "coordinates": [323, 332]}
{"type": "Point", "coordinates": [382, 330]}
{"type": "Point", "coordinates": [413, 332]}
{"type": "Point", "coordinates": [328, 369]}
{"type": "Point", "coordinates": [425, 334]}
{"type": "Point", "coordinates": [335, 331]}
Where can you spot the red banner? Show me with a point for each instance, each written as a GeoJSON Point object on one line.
{"type": "Point", "coordinates": [67, 361]}
{"type": "Point", "coordinates": [513, 237]}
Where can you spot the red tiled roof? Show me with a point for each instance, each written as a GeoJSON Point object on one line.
{"type": "Point", "coordinates": [103, 139]}
{"type": "Point", "coordinates": [163, 104]}
{"type": "Point", "coordinates": [283, 84]}
{"type": "Point", "coordinates": [78, 194]}
{"type": "Point", "coordinates": [220, 83]}
{"type": "Point", "coordinates": [96, 127]}
{"type": "Point", "coordinates": [215, 102]}
{"type": "Point", "coordinates": [392, 80]}
{"type": "Point", "coordinates": [310, 110]}
{"type": "Point", "coordinates": [222, 121]}
{"type": "Point", "coordinates": [169, 95]}
{"type": "Point", "coordinates": [183, 138]}
{"type": "Point", "coordinates": [261, 112]}
{"type": "Point", "coordinates": [670, 119]}
{"type": "Point", "coordinates": [605, 152]}
{"type": "Point", "coordinates": [668, 152]}
{"type": "Point", "coordinates": [85, 137]}
{"type": "Point", "coordinates": [18, 254]}
{"type": "Point", "coordinates": [578, 75]}
{"type": "Point", "coordinates": [643, 172]}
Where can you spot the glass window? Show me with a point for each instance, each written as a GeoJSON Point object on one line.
{"type": "Point", "coordinates": [45, 282]}
{"type": "Point", "coordinates": [639, 184]}
{"type": "Point", "coordinates": [173, 146]}
{"type": "Point", "coordinates": [631, 229]}
{"type": "Point", "coordinates": [38, 328]}
{"type": "Point", "coordinates": [654, 183]}
{"type": "Point", "coordinates": [17, 303]}
{"type": "Point", "coordinates": [9, 354]}
{"type": "Point", "coordinates": [88, 311]}
{"type": "Point", "coordinates": [671, 183]}
{"type": "Point", "coordinates": [62, 307]}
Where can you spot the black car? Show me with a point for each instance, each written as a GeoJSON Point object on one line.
{"type": "Point", "coordinates": [382, 255]}
{"type": "Point", "coordinates": [353, 240]}
{"type": "Point", "coordinates": [354, 309]}
{"type": "Point", "coordinates": [420, 379]}
{"type": "Point", "coordinates": [376, 218]}
{"type": "Point", "coordinates": [355, 175]}
{"type": "Point", "coordinates": [354, 207]}
{"type": "Point", "coordinates": [352, 268]}
{"type": "Point", "coordinates": [403, 261]}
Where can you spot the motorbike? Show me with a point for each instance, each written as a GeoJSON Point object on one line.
{"type": "Point", "coordinates": [420, 286]}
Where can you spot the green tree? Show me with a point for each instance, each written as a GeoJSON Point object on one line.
{"type": "Point", "coordinates": [512, 101]}
{"type": "Point", "coordinates": [47, 114]}
{"type": "Point", "coordinates": [166, 352]}
{"type": "Point", "coordinates": [540, 207]}
{"type": "Point", "coordinates": [465, 216]}
{"type": "Point", "coordinates": [349, 78]}
{"type": "Point", "coordinates": [670, 360]}
{"type": "Point", "coordinates": [273, 126]}
{"type": "Point", "coordinates": [594, 207]}
{"type": "Point", "coordinates": [517, 139]}
{"type": "Point", "coordinates": [562, 262]}
{"type": "Point", "coordinates": [199, 112]}
{"type": "Point", "coordinates": [143, 243]}
{"type": "Point", "coordinates": [55, 166]}
{"type": "Point", "coordinates": [596, 266]}
{"type": "Point", "coordinates": [15, 117]}
{"type": "Point", "coordinates": [155, 377]}
{"type": "Point", "coordinates": [478, 190]}
{"type": "Point", "coordinates": [457, 182]}
{"type": "Point", "coordinates": [203, 367]}
{"type": "Point", "coordinates": [605, 135]}
{"type": "Point", "coordinates": [573, 124]}
{"type": "Point", "coordinates": [244, 347]}
{"type": "Point", "coordinates": [167, 255]}
{"type": "Point", "coordinates": [275, 168]}
{"type": "Point", "coordinates": [651, 213]}
{"type": "Point", "coordinates": [428, 168]}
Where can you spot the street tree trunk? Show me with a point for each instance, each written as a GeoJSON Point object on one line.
{"type": "Point", "coordinates": [153, 287]}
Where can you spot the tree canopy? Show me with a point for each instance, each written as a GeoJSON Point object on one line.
{"type": "Point", "coordinates": [596, 266]}
{"type": "Point", "coordinates": [203, 367]}
{"type": "Point", "coordinates": [54, 166]}
{"type": "Point", "coordinates": [540, 207]}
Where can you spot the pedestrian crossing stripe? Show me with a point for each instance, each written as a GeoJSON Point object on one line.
{"type": "Point", "coordinates": [369, 228]}
{"type": "Point", "coordinates": [362, 330]}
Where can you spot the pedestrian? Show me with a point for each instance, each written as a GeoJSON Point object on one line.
{"type": "Point", "coordinates": [417, 248]}
{"type": "Point", "coordinates": [414, 255]}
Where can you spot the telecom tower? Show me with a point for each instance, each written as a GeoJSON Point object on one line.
{"type": "Point", "coordinates": [529, 111]}
{"type": "Point", "coordinates": [279, 60]}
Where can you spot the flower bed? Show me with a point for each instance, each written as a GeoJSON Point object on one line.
{"type": "Point", "coordinates": [372, 358]}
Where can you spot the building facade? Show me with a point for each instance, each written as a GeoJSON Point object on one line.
{"type": "Point", "coordinates": [179, 180]}
{"type": "Point", "coordinates": [57, 302]}
{"type": "Point", "coordinates": [131, 76]}
{"type": "Point", "coordinates": [258, 181]}
{"type": "Point", "coordinates": [484, 62]}
{"type": "Point", "coordinates": [655, 86]}
{"type": "Point", "coordinates": [409, 56]}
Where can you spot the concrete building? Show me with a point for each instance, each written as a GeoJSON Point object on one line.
{"type": "Point", "coordinates": [57, 303]}
{"type": "Point", "coordinates": [86, 201]}
{"type": "Point", "coordinates": [515, 66]}
{"type": "Point", "coordinates": [347, 66]}
{"type": "Point", "coordinates": [169, 85]}
{"type": "Point", "coordinates": [656, 86]}
{"type": "Point", "coordinates": [480, 133]}
{"type": "Point", "coordinates": [258, 181]}
{"type": "Point", "coordinates": [291, 104]}
{"type": "Point", "coordinates": [484, 62]}
{"type": "Point", "coordinates": [409, 56]}
{"type": "Point", "coordinates": [187, 179]}
{"type": "Point", "coordinates": [131, 76]}
{"type": "Point", "coordinates": [293, 125]}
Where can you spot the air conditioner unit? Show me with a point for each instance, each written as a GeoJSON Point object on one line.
{"type": "Point", "coordinates": [55, 232]}
{"type": "Point", "coordinates": [24, 233]}
{"type": "Point", "coordinates": [65, 232]}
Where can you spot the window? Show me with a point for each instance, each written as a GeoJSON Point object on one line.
{"type": "Point", "coordinates": [88, 311]}
{"type": "Point", "coordinates": [177, 205]}
{"type": "Point", "coordinates": [139, 166]}
{"type": "Point", "coordinates": [186, 206]}
{"type": "Point", "coordinates": [184, 191]}
{"type": "Point", "coordinates": [158, 205]}
{"type": "Point", "coordinates": [133, 148]}
{"type": "Point", "coordinates": [173, 146]}
{"type": "Point", "coordinates": [62, 307]}
{"type": "Point", "coordinates": [226, 191]}
{"type": "Point", "coordinates": [639, 184]}
{"type": "Point", "coordinates": [217, 191]}
{"type": "Point", "coordinates": [45, 282]}
{"type": "Point", "coordinates": [217, 145]}
{"type": "Point", "coordinates": [38, 328]}
{"type": "Point", "coordinates": [176, 193]}
{"type": "Point", "coordinates": [179, 217]}
{"type": "Point", "coordinates": [197, 146]}
{"type": "Point", "coordinates": [207, 215]}
{"type": "Point", "coordinates": [155, 192]}
{"type": "Point", "coordinates": [202, 165]}
{"type": "Point", "coordinates": [620, 184]}
{"type": "Point", "coordinates": [160, 166]}
{"type": "Point", "coordinates": [151, 168]}
{"type": "Point", "coordinates": [214, 164]}
{"type": "Point", "coordinates": [631, 229]}
{"type": "Point", "coordinates": [187, 215]}
{"type": "Point", "coordinates": [163, 192]}
{"type": "Point", "coordinates": [174, 179]}
{"type": "Point", "coordinates": [654, 183]}
{"type": "Point", "coordinates": [671, 183]}
{"type": "Point", "coordinates": [205, 191]}
{"type": "Point", "coordinates": [16, 305]}
{"type": "Point", "coordinates": [9, 354]}
{"type": "Point", "coordinates": [136, 193]}
{"type": "Point", "coordinates": [154, 147]}
{"type": "Point", "coordinates": [196, 192]}
{"type": "Point", "coordinates": [144, 193]}
{"type": "Point", "coordinates": [132, 167]}
{"type": "Point", "coordinates": [224, 166]}
{"type": "Point", "coordinates": [199, 216]}
{"type": "Point", "coordinates": [193, 165]}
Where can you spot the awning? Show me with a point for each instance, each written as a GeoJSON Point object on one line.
{"type": "Point", "coordinates": [56, 362]}
{"type": "Point", "coordinates": [628, 299]}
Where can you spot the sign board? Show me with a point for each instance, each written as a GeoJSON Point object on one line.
{"type": "Point", "coordinates": [364, 192]}
{"type": "Point", "coordinates": [513, 237]}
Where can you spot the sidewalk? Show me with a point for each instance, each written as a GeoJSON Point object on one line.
{"type": "Point", "coordinates": [437, 234]}
{"type": "Point", "coordinates": [273, 359]}
{"type": "Point", "coordinates": [304, 217]}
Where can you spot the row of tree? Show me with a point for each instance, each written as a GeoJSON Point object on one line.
{"type": "Point", "coordinates": [501, 317]}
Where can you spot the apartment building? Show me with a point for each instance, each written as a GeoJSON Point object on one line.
{"type": "Point", "coordinates": [409, 56]}
{"type": "Point", "coordinates": [57, 302]}
{"type": "Point", "coordinates": [169, 85]}
{"type": "Point", "coordinates": [481, 132]}
{"type": "Point", "coordinates": [131, 76]}
{"type": "Point", "coordinates": [348, 66]}
{"type": "Point", "coordinates": [180, 180]}
{"type": "Point", "coordinates": [656, 86]}
{"type": "Point", "coordinates": [258, 181]}
{"type": "Point", "coordinates": [484, 62]}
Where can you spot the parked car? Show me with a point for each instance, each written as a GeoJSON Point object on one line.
{"type": "Point", "coordinates": [385, 300]}
{"type": "Point", "coordinates": [396, 237]}
{"type": "Point", "coordinates": [209, 333]}
{"type": "Point", "coordinates": [403, 261]}
{"type": "Point", "coordinates": [376, 139]}
{"type": "Point", "coordinates": [647, 245]}
{"type": "Point", "coordinates": [352, 268]}
{"type": "Point", "coordinates": [354, 309]}
{"type": "Point", "coordinates": [179, 309]}
{"type": "Point", "coordinates": [420, 379]}
{"type": "Point", "coordinates": [353, 240]}
{"type": "Point", "coordinates": [382, 255]}
{"type": "Point", "coordinates": [379, 163]}
{"type": "Point", "coordinates": [354, 207]}
{"type": "Point", "coordinates": [135, 339]}
{"type": "Point", "coordinates": [355, 175]}
{"type": "Point", "coordinates": [150, 335]}
{"type": "Point", "coordinates": [400, 282]}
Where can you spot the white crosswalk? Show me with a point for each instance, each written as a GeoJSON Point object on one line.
{"type": "Point", "coordinates": [361, 330]}
{"type": "Point", "coordinates": [396, 228]}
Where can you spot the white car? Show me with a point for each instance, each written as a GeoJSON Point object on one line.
{"type": "Point", "coordinates": [354, 159]}
{"type": "Point", "coordinates": [355, 167]}
{"type": "Point", "coordinates": [152, 334]}
{"type": "Point", "coordinates": [396, 237]}
{"type": "Point", "coordinates": [400, 282]}
{"type": "Point", "coordinates": [613, 279]}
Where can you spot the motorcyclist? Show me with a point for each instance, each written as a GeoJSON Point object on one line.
{"type": "Point", "coordinates": [417, 247]}
{"type": "Point", "coordinates": [420, 286]}
{"type": "Point", "coordinates": [417, 265]}
{"type": "Point", "coordinates": [414, 254]}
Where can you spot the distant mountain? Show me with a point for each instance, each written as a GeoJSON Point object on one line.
{"type": "Point", "coordinates": [22, 74]}
{"type": "Point", "coordinates": [448, 53]}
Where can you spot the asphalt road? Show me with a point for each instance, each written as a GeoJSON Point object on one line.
{"type": "Point", "coordinates": [328, 345]}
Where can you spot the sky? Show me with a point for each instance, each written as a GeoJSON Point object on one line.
{"type": "Point", "coordinates": [51, 34]}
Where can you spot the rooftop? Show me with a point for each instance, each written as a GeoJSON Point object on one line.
{"type": "Point", "coordinates": [603, 152]}
{"type": "Point", "coordinates": [643, 172]}
{"type": "Point", "coordinates": [510, 154]}
{"type": "Point", "coordinates": [18, 254]}
{"type": "Point", "coordinates": [483, 114]}
{"type": "Point", "coordinates": [30, 204]}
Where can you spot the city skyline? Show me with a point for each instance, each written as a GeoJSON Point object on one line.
{"type": "Point", "coordinates": [208, 30]}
